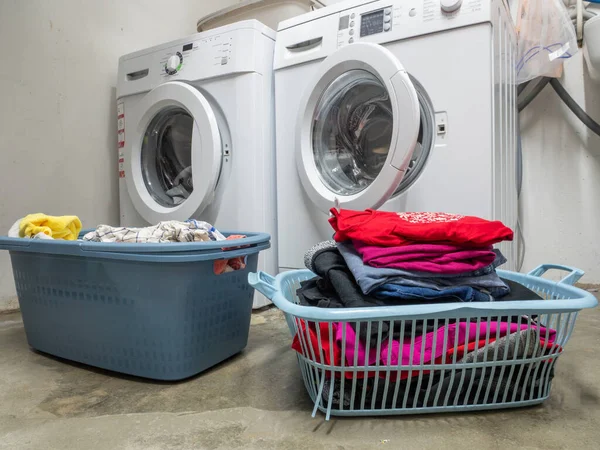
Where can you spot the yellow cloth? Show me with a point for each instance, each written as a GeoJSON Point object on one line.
{"type": "Point", "coordinates": [63, 227]}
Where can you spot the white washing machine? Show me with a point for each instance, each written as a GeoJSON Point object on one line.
{"type": "Point", "coordinates": [401, 105]}
{"type": "Point", "coordinates": [196, 136]}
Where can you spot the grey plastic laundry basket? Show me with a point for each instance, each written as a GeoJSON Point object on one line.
{"type": "Point", "coordinates": [151, 310]}
{"type": "Point", "coordinates": [491, 382]}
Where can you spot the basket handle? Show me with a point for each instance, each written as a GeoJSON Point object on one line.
{"type": "Point", "coordinates": [572, 278]}
{"type": "Point", "coordinates": [263, 283]}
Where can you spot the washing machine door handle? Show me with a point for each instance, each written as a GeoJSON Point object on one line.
{"type": "Point", "coordinates": [327, 181]}
{"type": "Point", "coordinates": [408, 122]}
{"type": "Point", "coordinates": [190, 161]}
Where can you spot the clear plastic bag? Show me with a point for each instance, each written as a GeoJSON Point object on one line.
{"type": "Point", "coordinates": [546, 37]}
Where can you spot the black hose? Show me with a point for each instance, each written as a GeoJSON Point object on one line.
{"type": "Point", "coordinates": [533, 94]}
{"type": "Point", "coordinates": [522, 87]}
{"type": "Point", "coordinates": [574, 107]}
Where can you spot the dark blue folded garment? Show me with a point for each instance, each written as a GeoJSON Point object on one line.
{"type": "Point", "coordinates": [460, 293]}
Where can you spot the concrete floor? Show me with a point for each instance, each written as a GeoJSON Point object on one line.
{"type": "Point", "coordinates": [257, 400]}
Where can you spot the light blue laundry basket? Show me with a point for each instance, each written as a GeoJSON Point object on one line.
{"type": "Point", "coordinates": [499, 379]}
{"type": "Point", "coordinates": [151, 310]}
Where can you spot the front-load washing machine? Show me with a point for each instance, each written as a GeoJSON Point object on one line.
{"type": "Point", "coordinates": [402, 105]}
{"type": "Point", "coordinates": [195, 133]}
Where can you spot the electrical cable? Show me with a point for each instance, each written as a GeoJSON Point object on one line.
{"type": "Point", "coordinates": [521, 247]}
{"type": "Point", "coordinates": [528, 98]}
{"type": "Point", "coordinates": [519, 174]}
{"type": "Point", "coordinates": [519, 168]}
{"type": "Point", "coordinates": [574, 107]}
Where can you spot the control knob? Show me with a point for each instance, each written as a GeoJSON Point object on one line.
{"type": "Point", "coordinates": [173, 64]}
{"type": "Point", "coordinates": [449, 6]}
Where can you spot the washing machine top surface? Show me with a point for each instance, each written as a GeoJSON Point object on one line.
{"type": "Point", "coordinates": [239, 48]}
{"type": "Point", "coordinates": [427, 9]}
{"type": "Point", "coordinates": [242, 25]}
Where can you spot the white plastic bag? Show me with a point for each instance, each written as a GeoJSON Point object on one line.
{"type": "Point", "coordinates": [546, 37]}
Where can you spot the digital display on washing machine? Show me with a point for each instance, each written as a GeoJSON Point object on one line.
{"type": "Point", "coordinates": [371, 23]}
{"type": "Point", "coordinates": [344, 22]}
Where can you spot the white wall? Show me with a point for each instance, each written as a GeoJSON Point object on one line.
{"type": "Point", "coordinates": [560, 207]}
{"type": "Point", "coordinates": [57, 93]}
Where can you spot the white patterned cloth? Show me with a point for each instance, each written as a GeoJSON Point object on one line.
{"type": "Point", "coordinates": [429, 217]}
{"type": "Point", "coordinates": [163, 232]}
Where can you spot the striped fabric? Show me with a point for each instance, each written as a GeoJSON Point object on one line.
{"type": "Point", "coordinates": [163, 232]}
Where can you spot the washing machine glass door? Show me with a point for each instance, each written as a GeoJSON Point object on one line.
{"type": "Point", "coordinates": [175, 154]}
{"type": "Point", "coordinates": [357, 128]}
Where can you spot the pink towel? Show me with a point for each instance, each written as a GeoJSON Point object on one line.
{"type": "Point", "coordinates": [433, 258]}
{"type": "Point", "coordinates": [458, 334]}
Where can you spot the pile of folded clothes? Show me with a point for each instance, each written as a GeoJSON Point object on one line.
{"type": "Point", "coordinates": [386, 259]}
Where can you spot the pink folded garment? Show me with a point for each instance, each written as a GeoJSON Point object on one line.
{"type": "Point", "coordinates": [458, 334]}
{"type": "Point", "coordinates": [433, 258]}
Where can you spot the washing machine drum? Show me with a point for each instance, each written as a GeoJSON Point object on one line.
{"type": "Point", "coordinates": [353, 130]}
{"type": "Point", "coordinates": [167, 157]}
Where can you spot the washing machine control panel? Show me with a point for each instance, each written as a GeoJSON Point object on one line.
{"type": "Point", "coordinates": [357, 24]}
{"type": "Point", "coordinates": [214, 51]}
{"type": "Point", "coordinates": [199, 57]}
{"type": "Point", "coordinates": [382, 21]}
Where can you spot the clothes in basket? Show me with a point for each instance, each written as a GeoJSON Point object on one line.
{"type": "Point", "coordinates": [43, 226]}
{"type": "Point", "coordinates": [171, 231]}
{"type": "Point", "coordinates": [163, 232]}
{"type": "Point", "coordinates": [387, 259]}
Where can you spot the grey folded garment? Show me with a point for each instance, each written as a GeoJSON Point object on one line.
{"type": "Point", "coordinates": [370, 278]}
{"type": "Point", "coordinates": [524, 344]}
{"type": "Point", "coordinates": [311, 254]}
{"type": "Point", "coordinates": [472, 385]}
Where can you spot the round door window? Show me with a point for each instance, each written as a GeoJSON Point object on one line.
{"type": "Point", "coordinates": [352, 132]}
{"type": "Point", "coordinates": [166, 157]}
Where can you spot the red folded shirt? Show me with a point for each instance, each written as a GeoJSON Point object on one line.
{"type": "Point", "coordinates": [395, 229]}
